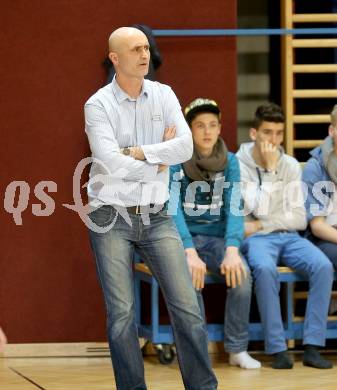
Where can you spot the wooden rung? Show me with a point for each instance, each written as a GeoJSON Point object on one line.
{"type": "Point", "coordinates": [315, 18]}
{"type": "Point", "coordinates": [318, 43]}
{"type": "Point", "coordinates": [298, 319]}
{"type": "Point", "coordinates": [306, 144]}
{"type": "Point", "coordinates": [284, 269]}
{"type": "Point", "coordinates": [300, 295]}
{"type": "Point", "coordinates": [301, 319]}
{"type": "Point", "coordinates": [319, 68]}
{"type": "Point", "coordinates": [315, 93]}
{"type": "Point", "coordinates": [304, 294]}
{"type": "Point", "coordinates": [142, 268]}
{"type": "Point", "coordinates": [311, 118]}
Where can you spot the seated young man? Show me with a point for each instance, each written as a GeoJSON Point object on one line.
{"type": "Point", "coordinates": [272, 192]}
{"type": "Point", "coordinates": [320, 176]}
{"type": "Point", "coordinates": [201, 191]}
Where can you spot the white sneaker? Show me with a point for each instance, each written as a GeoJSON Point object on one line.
{"type": "Point", "coordinates": [243, 360]}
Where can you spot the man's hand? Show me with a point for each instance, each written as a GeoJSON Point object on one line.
{"type": "Point", "coordinates": [197, 268]}
{"type": "Point", "coordinates": [233, 268]}
{"type": "Point", "coordinates": [169, 133]}
{"type": "Point", "coordinates": [3, 340]}
{"type": "Point", "coordinates": [162, 167]}
{"type": "Point", "coordinates": [270, 155]}
{"type": "Point", "coordinates": [252, 227]}
{"type": "Point", "coordinates": [321, 229]}
{"type": "Point", "coordinates": [137, 153]}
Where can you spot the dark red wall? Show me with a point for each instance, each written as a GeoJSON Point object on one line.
{"type": "Point", "coordinates": [50, 63]}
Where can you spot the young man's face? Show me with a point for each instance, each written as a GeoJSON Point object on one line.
{"type": "Point", "coordinates": [205, 131]}
{"type": "Point", "coordinates": [270, 132]}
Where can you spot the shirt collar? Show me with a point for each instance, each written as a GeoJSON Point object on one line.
{"type": "Point", "coordinates": [122, 95]}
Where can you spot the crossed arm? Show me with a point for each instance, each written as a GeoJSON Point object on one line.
{"type": "Point", "coordinates": [104, 145]}
{"type": "Point", "coordinates": [137, 152]}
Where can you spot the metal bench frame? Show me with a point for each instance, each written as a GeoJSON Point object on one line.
{"type": "Point", "coordinates": [162, 334]}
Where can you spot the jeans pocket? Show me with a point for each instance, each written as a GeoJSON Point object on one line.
{"type": "Point", "coordinates": [102, 216]}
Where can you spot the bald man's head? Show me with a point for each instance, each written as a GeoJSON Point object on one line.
{"type": "Point", "coordinates": [123, 35]}
{"type": "Point", "coordinates": [129, 51]}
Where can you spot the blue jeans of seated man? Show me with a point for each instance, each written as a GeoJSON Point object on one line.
{"type": "Point", "coordinates": [264, 252]}
{"type": "Point", "coordinates": [160, 247]}
{"type": "Point", "coordinates": [236, 322]}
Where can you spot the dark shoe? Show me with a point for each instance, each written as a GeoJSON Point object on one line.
{"type": "Point", "coordinates": [312, 358]}
{"type": "Point", "coordinates": [282, 361]}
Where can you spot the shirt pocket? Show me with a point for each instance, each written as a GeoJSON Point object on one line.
{"type": "Point", "coordinates": [158, 127]}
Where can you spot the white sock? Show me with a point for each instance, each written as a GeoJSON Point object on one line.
{"type": "Point", "coordinates": [243, 360]}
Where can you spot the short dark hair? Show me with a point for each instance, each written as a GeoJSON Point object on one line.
{"type": "Point", "coordinates": [269, 112]}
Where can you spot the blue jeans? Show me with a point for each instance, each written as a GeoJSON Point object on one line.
{"type": "Point", "coordinates": [264, 253]}
{"type": "Point", "coordinates": [212, 251]}
{"type": "Point", "coordinates": [161, 248]}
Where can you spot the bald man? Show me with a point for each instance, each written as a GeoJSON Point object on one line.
{"type": "Point", "coordinates": [136, 130]}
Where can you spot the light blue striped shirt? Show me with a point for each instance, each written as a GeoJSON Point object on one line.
{"type": "Point", "coordinates": [114, 120]}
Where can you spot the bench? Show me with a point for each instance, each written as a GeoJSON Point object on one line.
{"type": "Point", "coordinates": [159, 334]}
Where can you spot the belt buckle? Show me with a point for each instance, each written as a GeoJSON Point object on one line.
{"type": "Point", "coordinates": [138, 210]}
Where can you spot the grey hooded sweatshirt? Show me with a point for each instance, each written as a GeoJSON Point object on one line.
{"type": "Point", "coordinates": [276, 199]}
